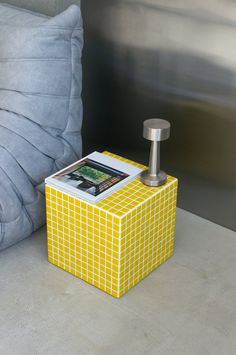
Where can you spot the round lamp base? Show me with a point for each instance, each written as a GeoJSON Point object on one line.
{"type": "Point", "coordinates": [153, 180]}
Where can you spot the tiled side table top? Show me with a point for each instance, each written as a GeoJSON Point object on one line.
{"type": "Point", "coordinates": [116, 242]}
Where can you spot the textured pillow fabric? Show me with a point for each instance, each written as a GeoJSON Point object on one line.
{"type": "Point", "coordinates": [40, 111]}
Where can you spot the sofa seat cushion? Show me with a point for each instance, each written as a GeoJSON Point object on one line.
{"type": "Point", "coordinates": [40, 111]}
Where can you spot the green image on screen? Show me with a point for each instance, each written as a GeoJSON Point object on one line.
{"type": "Point", "coordinates": [92, 174]}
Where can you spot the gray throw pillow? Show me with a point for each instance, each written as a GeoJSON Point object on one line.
{"type": "Point", "coordinates": [40, 111]}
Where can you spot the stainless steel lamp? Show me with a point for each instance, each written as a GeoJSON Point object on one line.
{"type": "Point", "coordinates": [155, 130]}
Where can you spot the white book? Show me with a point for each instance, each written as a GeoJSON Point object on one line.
{"type": "Point", "coordinates": [93, 177]}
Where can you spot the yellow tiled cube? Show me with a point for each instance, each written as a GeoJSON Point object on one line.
{"type": "Point", "coordinates": [116, 242]}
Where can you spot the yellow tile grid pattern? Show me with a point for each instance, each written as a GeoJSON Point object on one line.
{"type": "Point", "coordinates": [116, 242]}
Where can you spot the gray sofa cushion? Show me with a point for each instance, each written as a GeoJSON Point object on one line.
{"type": "Point", "coordinates": [40, 111]}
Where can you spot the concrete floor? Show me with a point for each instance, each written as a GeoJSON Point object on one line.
{"type": "Point", "coordinates": [187, 306]}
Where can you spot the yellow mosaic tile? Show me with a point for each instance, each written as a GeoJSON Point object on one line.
{"type": "Point", "coordinates": [116, 242]}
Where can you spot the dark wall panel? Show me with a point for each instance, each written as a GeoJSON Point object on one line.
{"type": "Point", "coordinates": [175, 60]}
